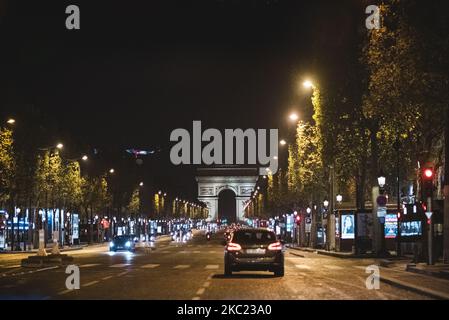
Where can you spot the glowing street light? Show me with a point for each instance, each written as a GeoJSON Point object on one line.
{"type": "Point", "coordinates": [59, 146]}
{"type": "Point", "coordinates": [339, 198]}
{"type": "Point", "coordinates": [308, 210]}
{"type": "Point", "coordinates": [293, 117]}
{"type": "Point", "coordinates": [11, 121]}
{"type": "Point", "coordinates": [141, 184]}
{"type": "Point", "coordinates": [326, 203]}
{"type": "Point", "coordinates": [84, 158]}
{"type": "Point", "coordinates": [308, 84]}
{"type": "Point", "coordinates": [283, 142]}
{"type": "Point", "coordinates": [111, 171]}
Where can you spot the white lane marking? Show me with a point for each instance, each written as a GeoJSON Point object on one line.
{"type": "Point", "coordinates": [11, 267]}
{"type": "Point", "coordinates": [90, 265]}
{"type": "Point", "coordinates": [196, 251]}
{"type": "Point", "coordinates": [210, 276]}
{"type": "Point", "coordinates": [332, 267]}
{"type": "Point", "coordinates": [182, 266]}
{"type": "Point", "coordinates": [360, 267]}
{"type": "Point", "coordinates": [302, 266]}
{"type": "Point", "coordinates": [212, 267]}
{"type": "Point", "coordinates": [150, 266]}
{"type": "Point", "coordinates": [90, 283]}
{"type": "Point", "coordinates": [196, 298]}
{"type": "Point", "coordinates": [64, 292]}
{"type": "Point", "coordinates": [122, 274]}
{"type": "Point", "coordinates": [206, 284]}
{"type": "Point", "coordinates": [107, 278]}
{"type": "Point", "coordinates": [200, 291]}
{"type": "Point", "coordinates": [119, 265]}
{"type": "Point", "coordinates": [213, 251]}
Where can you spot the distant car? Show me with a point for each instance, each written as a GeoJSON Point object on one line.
{"type": "Point", "coordinates": [123, 243]}
{"type": "Point", "coordinates": [254, 249]}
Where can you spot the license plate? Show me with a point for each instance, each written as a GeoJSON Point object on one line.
{"type": "Point", "coordinates": [255, 251]}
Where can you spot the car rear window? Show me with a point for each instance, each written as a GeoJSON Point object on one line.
{"type": "Point", "coordinates": [254, 237]}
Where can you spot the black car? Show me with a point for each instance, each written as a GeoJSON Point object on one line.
{"type": "Point", "coordinates": [122, 243]}
{"type": "Point", "coordinates": [254, 249]}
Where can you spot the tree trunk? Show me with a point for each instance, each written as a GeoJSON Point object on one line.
{"type": "Point", "coordinates": [446, 189]}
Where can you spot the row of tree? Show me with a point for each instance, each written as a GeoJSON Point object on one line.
{"type": "Point", "coordinates": [385, 115]}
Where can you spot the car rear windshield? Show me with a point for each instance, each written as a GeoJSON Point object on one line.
{"type": "Point", "coordinates": [244, 237]}
{"type": "Point", "coordinates": [122, 238]}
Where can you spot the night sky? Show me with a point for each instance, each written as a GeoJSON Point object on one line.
{"type": "Point", "coordinates": [139, 69]}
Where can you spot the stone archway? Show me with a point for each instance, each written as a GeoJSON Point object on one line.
{"type": "Point", "coordinates": [212, 181]}
{"type": "Point", "coordinates": [227, 208]}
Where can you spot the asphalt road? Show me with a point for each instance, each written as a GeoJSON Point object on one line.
{"type": "Point", "coordinates": [192, 271]}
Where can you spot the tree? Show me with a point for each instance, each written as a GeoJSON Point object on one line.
{"type": "Point", "coordinates": [7, 164]}
{"type": "Point", "coordinates": [133, 206]}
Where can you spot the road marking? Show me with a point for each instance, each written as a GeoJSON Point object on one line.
{"type": "Point", "coordinates": [64, 292]}
{"type": "Point", "coordinates": [206, 284]}
{"type": "Point", "coordinates": [11, 267]}
{"type": "Point", "coordinates": [122, 274]}
{"type": "Point", "coordinates": [90, 265]}
{"type": "Point", "coordinates": [182, 266]}
{"type": "Point", "coordinates": [120, 265]}
{"type": "Point", "coordinates": [210, 276]}
{"type": "Point", "coordinates": [332, 267]}
{"type": "Point", "coordinates": [150, 266]}
{"type": "Point", "coordinates": [196, 298]}
{"type": "Point", "coordinates": [302, 266]}
{"type": "Point", "coordinates": [107, 278]}
{"type": "Point", "coordinates": [213, 251]}
{"type": "Point", "coordinates": [200, 291]}
{"type": "Point", "coordinates": [196, 251]}
{"type": "Point", "coordinates": [90, 283]}
{"type": "Point", "coordinates": [212, 267]}
{"type": "Point", "coordinates": [360, 267]}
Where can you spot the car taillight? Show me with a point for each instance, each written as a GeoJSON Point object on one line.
{"type": "Point", "coordinates": [275, 246]}
{"type": "Point", "coordinates": [234, 247]}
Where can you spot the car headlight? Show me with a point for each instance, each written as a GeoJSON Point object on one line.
{"type": "Point", "coordinates": [128, 244]}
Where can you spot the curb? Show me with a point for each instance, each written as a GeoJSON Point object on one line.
{"type": "Point", "coordinates": [437, 274]}
{"type": "Point", "coordinates": [425, 291]}
{"type": "Point", "coordinates": [333, 254]}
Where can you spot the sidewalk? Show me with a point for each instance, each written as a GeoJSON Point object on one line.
{"type": "Point", "coordinates": [427, 280]}
{"type": "Point", "coordinates": [424, 281]}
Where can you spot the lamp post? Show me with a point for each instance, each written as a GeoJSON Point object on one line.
{"type": "Point", "coordinates": [381, 211]}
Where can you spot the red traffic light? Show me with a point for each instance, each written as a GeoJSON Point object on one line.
{"type": "Point", "coordinates": [428, 173]}
{"type": "Point", "coordinates": [298, 219]}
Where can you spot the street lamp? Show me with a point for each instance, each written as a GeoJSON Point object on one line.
{"type": "Point", "coordinates": [326, 204]}
{"type": "Point", "coordinates": [308, 84]}
{"type": "Point", "coordinates": [293, 117]}
{"type": "Point", "coordinates": [59, 146]}
{"type": "Point", "coordinates": [111, 171]}
{"type": "Point", "coordinates": [11, 121]}
{"type": "Point", "coordinates": [339, 198]}
{"type": "Point", "coordinates": [141, 184]}
{"type": "Point", "coordinates": [283, 142]}
{"type": "Point", "coordinates": [381, 180]}
{"type": "Point", "coordinates": [84, 158]}
{"type": "Point", "coordinates": [308, 210]}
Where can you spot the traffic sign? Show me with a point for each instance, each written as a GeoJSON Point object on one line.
{"type": "Point", "coordinates": [429, 215]}
{"type": "Point", "coordinates": [308, 220]}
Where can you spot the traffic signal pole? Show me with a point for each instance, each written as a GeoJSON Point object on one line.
{"type": "Point", "coordinates": [430, 234]}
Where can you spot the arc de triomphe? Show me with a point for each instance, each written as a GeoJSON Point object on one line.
{"type": "Point", "coordinates": [211, 181]}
